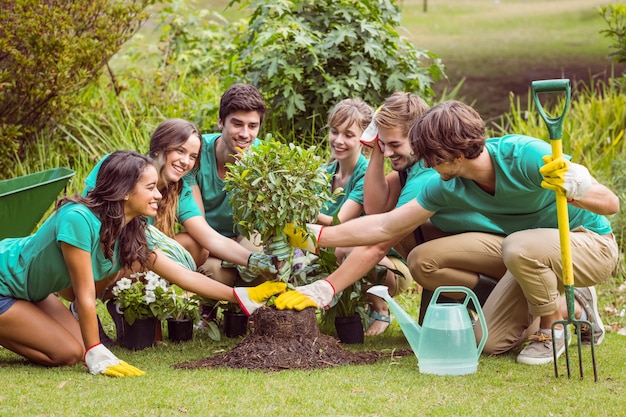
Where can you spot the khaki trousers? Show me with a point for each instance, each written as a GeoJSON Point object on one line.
{"type": "Point", "coordinates": [457, 260]}
{"type": "Point", "coordinates": [533, 282]}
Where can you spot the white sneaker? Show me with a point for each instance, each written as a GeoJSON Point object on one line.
{"type": "Point", "coordinates": [588, 300]}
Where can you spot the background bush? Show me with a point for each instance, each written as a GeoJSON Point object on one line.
{"type": "Point", "coordinates": [304, 55]}
{"type": "Point", "coordinates": [48, 51]}
{"type": "Point", "coordinates": [615, 17]}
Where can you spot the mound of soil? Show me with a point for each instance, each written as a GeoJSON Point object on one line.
{"type": "Point", "coordinates": [287, 340]}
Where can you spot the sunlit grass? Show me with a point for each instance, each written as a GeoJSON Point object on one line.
{"type": "Point", "coordinates": [392, 387]}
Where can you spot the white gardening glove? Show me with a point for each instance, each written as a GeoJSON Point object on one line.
{"type": "Point", "coordinates": [304, 239]}
{"type": "Point", "coordinates": [251, 298]}
{"type": "Point", "coordinates": [318, 295]}
{"type": "Point", "coordinates": [100, 360]}
{"type": "Point", "coordinates": [369, 137]}
{"type": "Point", "coordinates": [561, 175]}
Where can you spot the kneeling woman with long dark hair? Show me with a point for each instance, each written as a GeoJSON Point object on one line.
{"type": "Point", "coordinates": [87, 239]}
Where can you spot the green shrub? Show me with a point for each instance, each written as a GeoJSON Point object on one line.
{"type": "Point", "coordinates": [171, 69]}
{"type": "Point", "coordinates": [200, 40]}
{"type": "Point", "coordinates": [273, 184]}
{"type": "Point", "coordinates": [49, 50]}
{"type": "Point", "coordinates": [305, 54]}
{"type": "Point", "coordinates": [615, 17]}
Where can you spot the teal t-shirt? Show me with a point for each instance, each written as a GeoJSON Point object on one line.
{"type": "Point", "coordinates": [187, 207]}
{"type": "Point", "coordinates": [353, 189]}
{"type": "Point", "coordinates": [519, 202]}
{"type": "Point", "coordinates": [449, 219]}
{"type": "Point", "coordinates": [33, 267]}
{"type": "Point", "coordinates": [217, 209]}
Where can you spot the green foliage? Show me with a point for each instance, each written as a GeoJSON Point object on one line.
{"type": "Point", "coordinates": [112, 126]}
{"type": "Point", "coordinates": [181, 305]}
{"type": "Point", "coordinates": [141, 296]}
{"type": "Point", "coordinates": [200, 40]}
{"type": "Point", "coordinates": [167, 75]}
{"type": "Point", "coordinates": [615, 17]}
{"type": "Point", "coordinates": [305, 54]}
{"type": "Point", "coordinates": [49, 50]}
{"type": "Point", "coordinates": [108, 121]}
{"type": "Point", "coordinates": [273, 184]}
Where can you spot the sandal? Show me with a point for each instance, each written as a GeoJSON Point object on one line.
{"type": "Point", "coordinates": [374, 317]}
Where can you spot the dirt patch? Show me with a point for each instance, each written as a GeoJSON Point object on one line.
{"type": "Point", "coordinates": [491, 96]}
{"type": "Point", "coordinates": [288, 340]}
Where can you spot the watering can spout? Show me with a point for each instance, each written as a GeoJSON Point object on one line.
{"type": "Point", "coordinates": [409, 326]}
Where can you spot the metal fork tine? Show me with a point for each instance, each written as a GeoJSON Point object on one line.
{"type": "Point", "coordinates": [578, 331]}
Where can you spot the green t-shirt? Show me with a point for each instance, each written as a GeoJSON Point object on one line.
{"type": "Point", "coordinates": [519, 201]}
{"type": "Point", "coordinates": [449, 218]}
{"type": "Point", "coordinates": [187, 207]}
{"type": "Point", "coordinates": [353, 189]}
{"type": "Point", "coordinates": [33, 267]}
{"type": "Point", "coordinates": [217, 209]}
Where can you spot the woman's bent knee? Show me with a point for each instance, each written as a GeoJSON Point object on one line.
{"type": "Point", "coordinates": [66, 358]}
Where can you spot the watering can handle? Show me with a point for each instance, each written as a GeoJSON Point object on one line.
{"type": "Point", "coordinates": [470, 296]}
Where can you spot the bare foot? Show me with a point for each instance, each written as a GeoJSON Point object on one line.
{"type": "Point", "coordinates": [380, 322]}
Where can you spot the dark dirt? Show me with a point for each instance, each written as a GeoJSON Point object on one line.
{"type": "Point", "coordinates": [288, 340]}
{"type": "Point", "coordinates": [490, 95]}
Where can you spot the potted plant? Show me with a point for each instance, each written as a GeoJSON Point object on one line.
{"type": "Point", "coordinates": [348, 311]}
{"type": "Point", "coordinates": [272, 184]}
{"type": "Point", "coordinates": [182, 310]}
{"type": "Point", "coordinates": [142, 299]}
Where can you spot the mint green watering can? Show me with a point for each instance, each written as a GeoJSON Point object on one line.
{"type": "Point", "coordinates": [445, 344]}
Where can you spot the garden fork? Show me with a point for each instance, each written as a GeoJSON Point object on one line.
{"type": "Point", "coordinates": [555, 127]}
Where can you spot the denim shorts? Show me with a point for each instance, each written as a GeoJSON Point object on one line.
{"type": "Point", "coordinates": [6, 303]}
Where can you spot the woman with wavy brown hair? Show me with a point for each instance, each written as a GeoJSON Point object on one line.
{"type": "Point", "coordinates": [86, 240]}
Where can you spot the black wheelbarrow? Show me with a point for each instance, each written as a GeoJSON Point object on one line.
{"type": "Point", "coordinates": [24, 200]}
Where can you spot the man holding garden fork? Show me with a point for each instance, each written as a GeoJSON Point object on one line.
{"type": "Point", "coordinates": [510, 180]}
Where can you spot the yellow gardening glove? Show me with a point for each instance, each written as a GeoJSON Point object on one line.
{"type": "Point", "coordinates": [563, 176]}
{"type": "Point", "coordinates": [294, 300]}
{"type": "Point", "coordinates": [318, 294]}
{"type": "Point", "coordinates": [251, 298]}
{"type": "Point", "coordinates": [123, 369]}
{"type": "Point", "coordinates": [100, 360]}
{"type": "Point", "coordinates": [304, 239]}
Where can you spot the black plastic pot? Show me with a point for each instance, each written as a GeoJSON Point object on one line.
{"type": "Point", "coordinates": [235, 324]}
{"type": "Point", "coordinates": [179, 330]}
{"type": "Point", "coordinates": [140, 334]}
{"type": "Point", "coordinates": [350, 329]}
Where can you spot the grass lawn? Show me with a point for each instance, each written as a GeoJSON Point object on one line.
{"type": "Point", "coordinates": [391, 387]}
